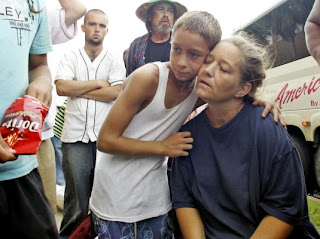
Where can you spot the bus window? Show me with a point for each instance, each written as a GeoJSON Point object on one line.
{"type": "Point", "coordinates": [283, 30]}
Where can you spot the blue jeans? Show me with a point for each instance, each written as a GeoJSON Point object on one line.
{"type": "Point", "coordinates": [58, 157]}
{"type": "Point", "coordinates": [151, 228]}
{"type": "Point", "coordinates": [78, 164]}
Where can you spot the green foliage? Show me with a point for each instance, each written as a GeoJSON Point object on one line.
{"type": "Point", "coordinates": [314, 212]}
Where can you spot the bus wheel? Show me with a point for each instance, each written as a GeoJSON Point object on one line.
{"type": "Point", "coordinates": [304, 150]}
{"type": "Point", "coordinates": [317, 166]}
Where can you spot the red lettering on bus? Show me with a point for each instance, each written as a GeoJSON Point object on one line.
{"type": "Point", "coordinates": [286, 95]}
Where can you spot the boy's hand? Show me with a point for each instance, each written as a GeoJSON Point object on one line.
{"type": "Point", "coordinates": [273, 108]}
{"type": "Point", "coordinates": [6, 153]}
{"type": "Point", "coordinates": [177, 144]}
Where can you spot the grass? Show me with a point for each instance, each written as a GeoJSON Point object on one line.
{"type": "Point", "coordinates": [314, 211]}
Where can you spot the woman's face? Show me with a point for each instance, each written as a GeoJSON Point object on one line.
{"type": "Point", "coordinates": [219, 78]}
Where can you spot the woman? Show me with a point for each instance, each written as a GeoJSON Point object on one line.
{"type": "Point", "coordinates": [243, 178]}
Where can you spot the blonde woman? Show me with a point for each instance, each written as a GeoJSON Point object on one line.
{"type": "Point", "coordinates": [243, 177]}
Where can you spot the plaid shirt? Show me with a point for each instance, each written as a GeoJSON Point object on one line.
{"type": "Point", "coordinates": [137, 51]}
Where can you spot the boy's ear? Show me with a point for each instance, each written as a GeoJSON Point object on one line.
{"type": "Point", "coordinates": [244, 89]}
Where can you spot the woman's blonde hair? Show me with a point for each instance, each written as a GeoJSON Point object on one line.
{"type": "Point", "coordinates": [256, 59]}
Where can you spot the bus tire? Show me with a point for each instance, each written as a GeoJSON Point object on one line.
{"type": "Point", "coordinates": [304, 150]}
{"type": "Point", "coordinates": [317, 166]}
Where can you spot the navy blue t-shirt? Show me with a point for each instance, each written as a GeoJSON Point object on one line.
{"type": "Point", "coordinates": [157, 51]}
{"type": "Point", "coordinates": [238, 173]}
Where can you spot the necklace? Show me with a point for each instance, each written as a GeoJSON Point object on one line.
{"type": "Point", "coordinates": [181, 84]}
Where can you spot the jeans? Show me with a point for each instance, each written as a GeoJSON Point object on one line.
{"type": "Point", "coordinates": [77, 164]}
{"type": "Point", "coordinates": [58, 157]}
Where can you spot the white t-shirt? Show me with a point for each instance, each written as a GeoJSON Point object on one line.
{"type": "Point", "coordinates": [83, 118]}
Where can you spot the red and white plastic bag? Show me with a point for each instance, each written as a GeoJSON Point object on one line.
{"type": "Point", "coordinates": [22, 123]}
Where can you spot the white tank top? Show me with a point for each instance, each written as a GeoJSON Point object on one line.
{"type": "Point", "coordinates": [131, 189]}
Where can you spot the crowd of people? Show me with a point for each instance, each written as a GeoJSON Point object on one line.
{"type": "Point", "coordinates": [235, 174]}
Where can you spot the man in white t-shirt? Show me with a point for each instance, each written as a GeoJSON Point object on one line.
{"type": "Point", "coordinates": [63, 27]}
{"type": "Point", "coordinates": [91, 78]}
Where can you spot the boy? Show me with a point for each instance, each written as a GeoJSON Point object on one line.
{"type": "Point", "coordinates": [154, 104]}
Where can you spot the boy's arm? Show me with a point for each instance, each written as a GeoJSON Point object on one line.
{"type": "Point", "coordinates": [268, 107]}
{"type": "Point", "coordinates": [140, 90]}
{"type": "Point", "coordinates": [312, 30]}
{"type": "Point", "coordinates": [272, 228]}
{"type": "Point", "coordinates": [190, 223]}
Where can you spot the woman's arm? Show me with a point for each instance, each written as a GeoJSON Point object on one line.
{"type": "Point", "coordinates": [190, 223]}
{"type": "Point", "coordinates": [272, 228]}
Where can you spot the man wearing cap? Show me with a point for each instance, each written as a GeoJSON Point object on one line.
{"type": "Point", "coordinates": [159, 17]}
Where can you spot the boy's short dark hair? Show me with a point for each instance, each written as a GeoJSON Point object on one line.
{"type": "Point", "coordinates": [202, 23]}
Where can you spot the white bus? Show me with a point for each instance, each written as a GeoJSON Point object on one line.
{"type": "Point", "coordinates": [294, 81]}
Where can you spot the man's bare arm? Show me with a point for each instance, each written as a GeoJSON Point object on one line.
{"type": "Point", "coordinates": [74, 88]}
{"type": "Point", "coordinates": [74, 10]}
{"type": "Point", "coordinates": [312, 30]}
{"type": "Point", "coordinates": [272, 228]}
{"type": "Point", "coordinates": [40, 85]}
{"type": "Point", "coordinates": [190, 223]}
{"type": "Point", "coordinates": [105, 94]}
